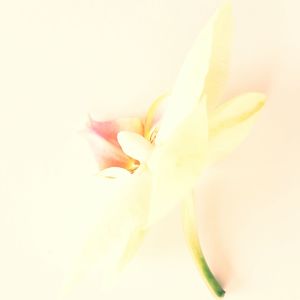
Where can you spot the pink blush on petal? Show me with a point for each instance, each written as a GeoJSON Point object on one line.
{"type": "Point", "coordinates": [108, 154]}
{"type": "Point", "coordinates": [109, 130]}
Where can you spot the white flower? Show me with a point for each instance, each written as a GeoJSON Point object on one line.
{"type": "Point", "coordinates": [154, 163]}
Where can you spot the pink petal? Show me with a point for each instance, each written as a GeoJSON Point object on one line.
{"type": "Point", "coordinates": [108, 154]}
{"type": "Point", "coordinates": [109, 130]}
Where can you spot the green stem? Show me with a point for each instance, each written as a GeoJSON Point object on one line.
{"type": "Point", "coordinates": [190, 230]}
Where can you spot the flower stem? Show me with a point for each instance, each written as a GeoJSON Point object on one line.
{"type": "Point", "coordinates": [190, 230]}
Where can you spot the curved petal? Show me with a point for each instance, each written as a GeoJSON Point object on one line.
{"type": "Point", "coordinates": [116, 238]}
{"type": "Point", "coordinates": [202, 72]}
{"type": "Point", "coordinates": [109, 130]}
{"type": "Point", "coordinates": [176, 163]}
{"type": "Point", "coordinates": [107, 154]}
{"type": "Point", "coordinates": [220, 55]}
{"type": "Point", "coordinates": [231, 122]}
{"type": "Point", "coordinates": [135, 145]}
{"type": "Point", "coordinates": [114, 172]}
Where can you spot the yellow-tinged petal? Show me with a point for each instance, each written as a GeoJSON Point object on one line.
{"type": "Point", "coordinates": [176, 163]}
{"type": "Point", "coordinates": [203, 70]}
{"type": "Point", "coordinates": [116, 238]}
{"type": "Point", "coordinates": [230, 123]}
{"type": "Point", "coordinates": [220, 55]}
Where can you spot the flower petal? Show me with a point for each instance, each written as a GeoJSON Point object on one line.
{"type": "Point", "coordinates": [107, 154]}
{"type": "Point", "coordinates": [231, 122]}
{"type": "Point", "coordinates": [134, 145]}
{"type": "Point", "coordinates": [220, 55]}
{"type": "Point", "coordinates": [109, 130]}
{"type": "Point", "coordinates": [114, 172]}
{"type": "Point", "coordinates": [176, 163]}
{"type": "Point", "coordinates": [202, 72]}
{"type": "Point", "coordinates": [116, 238]}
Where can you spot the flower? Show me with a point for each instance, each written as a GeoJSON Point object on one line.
{"type": "Point", "coordinates": [154, 163]}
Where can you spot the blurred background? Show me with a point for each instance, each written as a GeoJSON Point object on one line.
{"type": "Point", "coordinates": [60, 60]}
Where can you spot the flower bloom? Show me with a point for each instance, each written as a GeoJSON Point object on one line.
{"type": "Point", "coordinates": [155, 161]}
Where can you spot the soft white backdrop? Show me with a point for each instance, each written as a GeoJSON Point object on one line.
{"type": "Point", "coordinates": [62, 59]}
